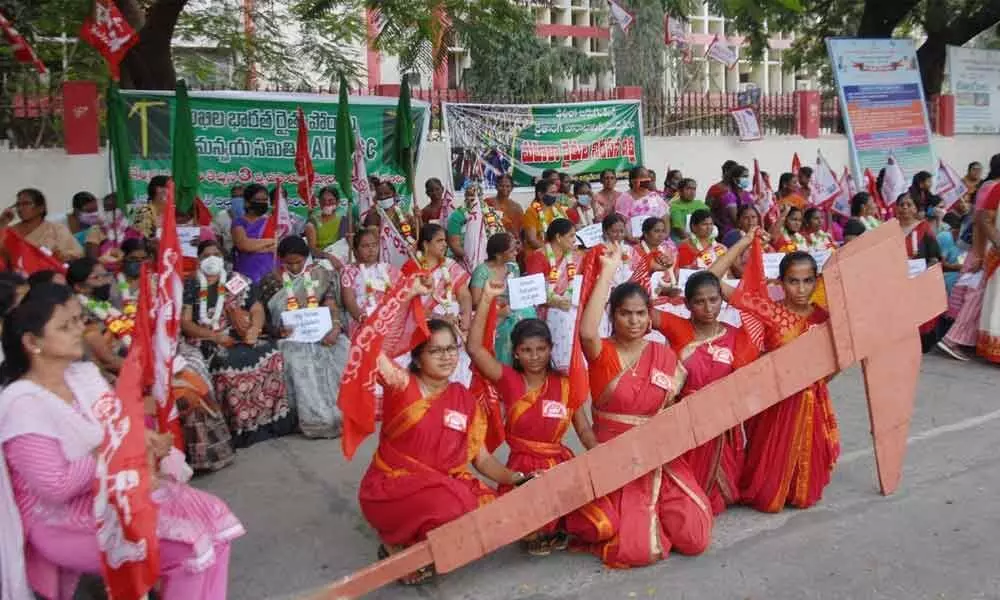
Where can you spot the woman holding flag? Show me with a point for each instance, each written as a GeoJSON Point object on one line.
{"type": "Point", "coordinates": [364, 282]}
{"type": "Point", "coordinates": [793, 445]}
{"type": "Point", "coordinates": [53, 474]}
{"type": "Point", "coordinates": [223, 317]}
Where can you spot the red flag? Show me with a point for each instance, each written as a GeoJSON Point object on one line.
{"type": "Point", "coordinates": [397, 326]}
{"type": "Point", "coordinates": [755, 282]}
{"type": "Point", "coordinates": [485, 392]}
{"type": "Point", "coordinates": [109, 33]}
{"type": "Point", "coordinates": [871, 186]}
{"type": "Point", "coordinates": [279, 222]}
{"type": "Point", "coordinates": [579, 380]}
{"type": "Point", "coordinates": [304, 163]}
{"type": "Point", "coordinates": [169, 296]}
{"type": "Point", "coordinates": [202, 215]}
{"type": "Point", "coordinates": [796, 164]}
{"type": "Point", "coordinates": [126, 514]}
{"type": "Point", "coordinates": [23, 51]}
{"type": "Point", "coordinates": [27, 258]}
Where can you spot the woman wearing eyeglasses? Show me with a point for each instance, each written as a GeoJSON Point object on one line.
{"type": "Point", "coordinates": [55, 238]}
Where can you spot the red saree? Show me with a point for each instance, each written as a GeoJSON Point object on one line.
{"type": "Point", "coordinates": [419, 477]}
{"type": "Point", "coordinates": [666, 508]}
{"type": "Point", "coordinates": [718, 464]}
{"type": "Point", "coordinates": [793, 445]}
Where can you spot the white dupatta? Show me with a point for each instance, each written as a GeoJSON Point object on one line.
{"type": "Point", "coordinates": [27, 408]}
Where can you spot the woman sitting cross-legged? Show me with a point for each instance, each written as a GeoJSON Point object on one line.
{"type": "Point", "coordinates": [536, 400]}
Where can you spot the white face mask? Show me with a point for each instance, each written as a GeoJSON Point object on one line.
{"type": "Point", "coordinates": [212, 266]}
{"type": "Point", "coordinates": [328, 209]}
{"type": "Point", "coordinates": [387, 203]}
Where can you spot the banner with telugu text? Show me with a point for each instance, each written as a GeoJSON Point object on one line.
{"type": "Point", "coordinates": [882, 96]}
{"type": "Point", "coordinates": [582, 139]}
{"type": "Point", "coordinates": [249, 137]}
{"type": "Point", "coordinates": [974, 80]}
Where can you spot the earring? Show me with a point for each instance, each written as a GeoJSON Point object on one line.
{"type": "Point", "coordinates": [36, 350]}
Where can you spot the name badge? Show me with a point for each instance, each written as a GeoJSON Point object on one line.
{"type": "Point", "coordinates": [662, 380]}
{"type": "Point", "coordinates": [721, 354]}
{"type": "Point", "coordinates": [235, 285]}
{"type": "Point", "coordinates": [455, 420]}
{"type": "Point", "coordinates": [553, 410]}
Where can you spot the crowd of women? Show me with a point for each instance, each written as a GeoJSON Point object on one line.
{"type": "Point", "coordinates": [649, 339]}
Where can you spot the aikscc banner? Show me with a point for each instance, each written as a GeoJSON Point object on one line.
{"type": "Point", "coordinates": [248, 137]}
{"type": "Point", "coordinates": [523, 140]}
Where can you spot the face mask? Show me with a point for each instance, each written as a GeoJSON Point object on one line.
{"type": "Point", "coordinates": [386, 203]}
{"type": "Point", "coordinates": [236, 203]}
{"type": "Point", "coordinates": [258, 208]}
{"type": "Point", "coordinates": [89, 218]}
{"type": "Point", "coordinates": [744, 183]}
{"type": "Point", "coordinates": [212, 265]}
{"type": "Point", "coordinates": [328, 209]}
{"type": "Point", "coordinates": [102, 293]}
{"type": "Point", "coordinates": [584, 200]}
{"type": "Point", "coordinates": [132, 268]}
{"type": "Point", "coordinates": [549, 199]}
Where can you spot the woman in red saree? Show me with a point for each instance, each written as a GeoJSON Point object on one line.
{"type": "Point", "coordinates": [709, 350]}
{"type": "Point", "coordinates": [432, 429]}
{"type": "Point", "coordinates": [792, 446]}
{"type": "Point", "coordinates": [537, 403]}
{"type": "Point", "coordinates": [631, 380]}
{"type": "Point", "coordinates": [700, 251]}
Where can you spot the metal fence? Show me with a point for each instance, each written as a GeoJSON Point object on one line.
{"type": "Point", "coordinates": [30, 115]}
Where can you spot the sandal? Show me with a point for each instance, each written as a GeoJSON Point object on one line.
{"type": "Point", "coordinates": [538, 546]}
{"type": "Point", "coordinates": [418, 577]}
{"type": "Point", "coordinates": [560, 541]}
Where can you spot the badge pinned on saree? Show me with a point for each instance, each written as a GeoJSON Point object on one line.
{"type": "Point", "coordinates": [235, 285]}
{"type": "Point", "coordinates": [455, 420]}
{"type": "Point", "coordinates": [720, 354]}
{"type": "Point", "coordinates": [553, 410]}
{"type": "Point", "coordinates": [662, 380]}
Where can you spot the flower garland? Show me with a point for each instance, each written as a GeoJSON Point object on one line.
{"type": "Point", "coordinates": [129, 303]}
{"type": "Point", "coordinates": [493, 219]}
{"type": "Point", "coordinates": [708, 254]}
{"type": "Point", "coordinates": [119, 325]}
{"type": "Point", "coordinates": [821, 240]}
{"type": "Point", "coordinates": [375, 279]}
{"type": "Point", "coordinates": [543, 221]}
{"type": "Point", "coordinates": [311, 285]}
{"type": "Point", "coordinates": [441, 273]}
{"type": "Point", "coordinates": [870, 223]}
{"type": "Point", "coordinates": [554, 269]}
{"type": "Point", "coordinates": [404, 226]}
{"type": "Point", "coordinates": [212, 322]}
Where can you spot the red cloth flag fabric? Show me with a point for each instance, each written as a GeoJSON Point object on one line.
{"type": "Point", "coordinates": [397, 326]}
{"type": "Point", "coordinates": [23, 52]}
{"type": "Point", "coordinates": [754, 281]}
{"type": "Point", "coordinates": [871, 186]}
{"type": "Point", "coordinates": [485, 392]}
{"type": "Point", "coordinates": [169, 303]}
{"type": "Point", "coordinates": [304, 163]}
{"type": "Point", "coordinates": [201, 213]}
{"type": "Point", "coordinates": [124, 508]}
{"type": "Point", "coordinates": [579, 379]}
{"type": "Point", "coordinates": [27, 258]}
{"type": "Point", "coordinates": [796, 164]}
{"type": "Point", "coordinates": [279, 222]}
{"type": "Point", "coordinates": [109, 33]}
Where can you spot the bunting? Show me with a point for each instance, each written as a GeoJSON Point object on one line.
{"type": "Point", "coordinates": [23, 52]}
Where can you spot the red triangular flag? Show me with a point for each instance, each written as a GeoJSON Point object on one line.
{"type": "Point", "coordinates": [796, 164]}
{"type": "Point", "coordinates": [109, 33]}
{"type": "Point", "coordinates": [304, 163]}
{"type": "Point", "coordinates": [871, 186]}
{"type": "Point", "coordinates": [202, 215]}
{"type": "Point", "coordinates": [485, 392]}
{"type": "Point", "coordinates": [169, 303]}
{"type": "Point", "coordinates": [27, 258]}
{"type": "Point", "coordinates": [279, 222]}
{"type": "Point", "coordinates": [754, 282]}
{"type": "Point", "coordinates": [579, 380]}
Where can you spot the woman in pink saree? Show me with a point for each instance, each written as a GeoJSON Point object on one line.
{"type": "Point", "coordinates": [631, 380]}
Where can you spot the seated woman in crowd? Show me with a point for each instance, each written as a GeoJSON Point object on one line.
{"type": "Point", "coordinates": [536, 400]}
{"type": "Point", "coordinates": [864, 209]}
{"type": "Point", "coordinates": [700, 250]}
{"type": "Point", "coordinates": [630, 381]}
{"type": "Point", "coordinates": [655, 252]}
{"type": "Point", "coordinates": [224, 320]}
{"type": "Point", "coordinates": [501, 265]}
{"type": "Point", "coordinates": [432, 430]}
{"type": "Point", "coordinates": [812, 229]}
{"type": "Point", "coordinates": [786, 235]}
{"type": "Point", "coordinates": [107, 331]}
{"type": "Point", "coordinates": [449, 298]}
{"type": "Point", "coordinates": [327, 225]}
{"type": "Point", "coordinates": [55, 238]}
{"type": "Point", "coordinates": [780, 469]}
{"type": "Point", "coordinates": [50, 438]}
{"type": "Point", "coordinates": [104, 239]}
{"type": "Point", "coordinates": [364, 282]}
{"type": "Point", "coordinates": [253, 254]}
{"type": "Point", "coordinates": [84, 216]}
{"type": "Point", "coordinates": [921, 243]}
{"type": "Point", "coordinates": [312, 369]}
{"type": "Point", "coordinates": [558, 261]}
{"type": "Point", "coordinates": [709, 350]}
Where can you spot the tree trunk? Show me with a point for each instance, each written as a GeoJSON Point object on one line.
{"type": "Point", "coordinates": [944, 28]}
{"type": "Point", "coordinates": [881, 17]}
{"type": "Point", "coordinates": [149, 64]}
{"type": "Point", "coordinates": [931, 56]}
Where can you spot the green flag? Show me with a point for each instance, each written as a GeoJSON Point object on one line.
{"type": "Point", "coordinates": [184, 166]}
{"type": "Point", "coordinates": [405, 145]}
{"type": "Point", "coordinates": [343, 157]}
{"type": "Point", "coordinates": [118, 140]}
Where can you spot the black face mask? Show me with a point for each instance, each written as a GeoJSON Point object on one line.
{"type": "Point", "coordinates": [549, 199]}
{"type": "Point", "coordinates": [132, 268]}
{"type": "Point", "coordinates": [102, 293]}
{"type": "Point", "coordinates": [257, 208]}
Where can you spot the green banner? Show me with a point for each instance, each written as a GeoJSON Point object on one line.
{"type": "Point", "coordinates": [582, 139]}
{"type": "Point", "coordinates": [247, 137]}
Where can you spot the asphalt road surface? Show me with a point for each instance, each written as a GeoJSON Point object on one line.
{"type": "Point", "coordinates": [936, 538]}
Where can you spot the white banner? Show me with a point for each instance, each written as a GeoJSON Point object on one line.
{"type": "Point", "coordinates": [720, 51]}
{"type": "Point", "coordinates": [747, 124]}
{"type": "Point", "coordinates": [974, 80]}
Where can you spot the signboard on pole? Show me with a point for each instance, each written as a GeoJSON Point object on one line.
{"type": "Point", "coordinates": [974, 80]}
{"type": "Point", "coordinates": [885, 112]}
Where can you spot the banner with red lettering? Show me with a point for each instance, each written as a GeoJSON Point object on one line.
{"type": "Point", "coordinates": [169, 304]}
{"type": "Point", "coordinates": [583, 139]}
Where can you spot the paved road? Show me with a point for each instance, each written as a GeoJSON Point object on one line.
{"type": "Point", "coordinates": [934, 539]}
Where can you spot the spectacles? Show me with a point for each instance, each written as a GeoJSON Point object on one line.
{"type": "Point", "coordinates": [442, 351]}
